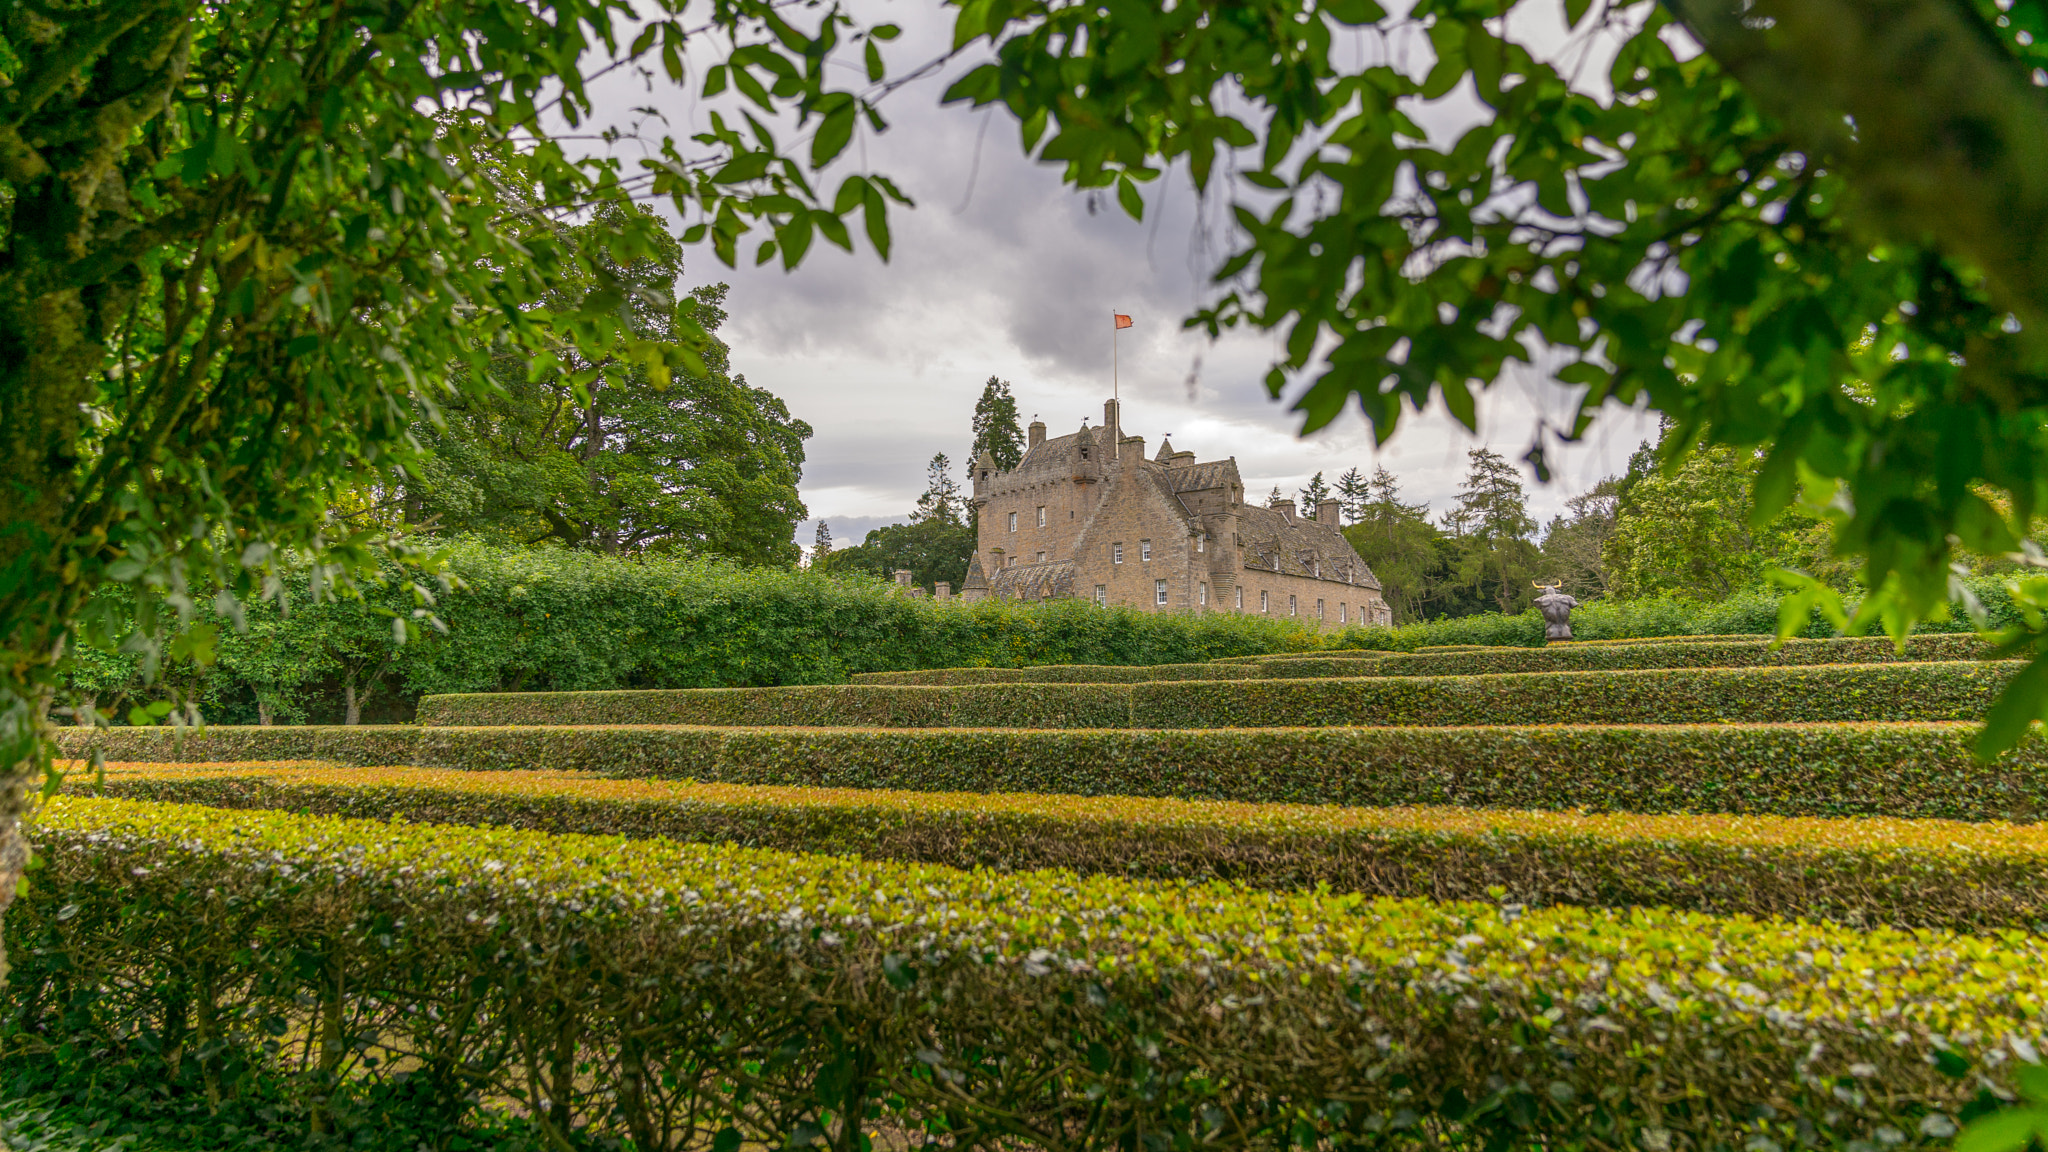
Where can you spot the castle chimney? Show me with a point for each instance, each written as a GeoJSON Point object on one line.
{"type": "Point", "coordinates": [1037, 433]}
{"type": "Point", "coordinates": [942, 590]}
{"type": "Point", "coordinates": [1112, 420]}
{"type": "Point", "coordinates": [1286, 509]}
{"type": "Point", "coordinates": [903, 578]}
{"type": "Point", "coordinates": [1330, 514]}
{"type": "Point", "coordinates": [1133, 448]}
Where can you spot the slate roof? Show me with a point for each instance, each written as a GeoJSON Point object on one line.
{"type": "Point", "coordinates": [1052, 579]}
{"type": "Point", "coordinates": [1302, 548]}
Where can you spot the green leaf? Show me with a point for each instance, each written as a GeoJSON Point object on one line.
{"type": "Point", "coordinates": [833, 135]}
{"type": "Point", "coordinates": [2009, 1130]}
{"type": "Point", "coordinates": [1127, 195]}
{"type": "Point", "coordinates": [2024, 700]}
{"type": "Point", "coordinates": [876, 70]}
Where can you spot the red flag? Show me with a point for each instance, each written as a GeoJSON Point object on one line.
{"type": "Point", "coordinates": [1122, 321]}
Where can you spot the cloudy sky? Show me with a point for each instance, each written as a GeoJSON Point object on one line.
{"type": "Point", "coordinates": [1001, 271]}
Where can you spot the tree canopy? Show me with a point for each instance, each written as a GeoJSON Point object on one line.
{"type": "Point", "coordinates": [703, 463]}
{"type": "Point", "coordinates": [996, 430]}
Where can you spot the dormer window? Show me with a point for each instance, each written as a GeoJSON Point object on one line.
{"type": "Point", "coordinates": [1084, 453]}
{"type": "Point", "coordinates": [1201, 543]}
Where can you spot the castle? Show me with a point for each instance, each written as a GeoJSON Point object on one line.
{"type": "Point", "coordinates": [1089, 515]}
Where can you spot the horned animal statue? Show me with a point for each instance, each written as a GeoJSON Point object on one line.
{"type": "Point", "coordinates": [1557, 611]}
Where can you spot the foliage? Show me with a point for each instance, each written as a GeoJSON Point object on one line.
{"type": "Point", "coordinates": [821, 543]}
{"type": "Point", "coordinates": [1314, 494]}
{"type": "Point", "coordinates": [250, 244]}
{"type": "Point", "coordinates": [1911, 771]}
{"type": "Point", "coordinates": [996, 430]}
{"type": "Point", "coordinates": [550, 618]}
{"type": "Point", "coordinates": [931, 548]}
{"type": "Point", "coordinates": [1292, 666]}
{"type": "Point", "coordinates": [1954, 690]}
{"type": "Point", "coordinates": [940, 500]}
{"type": "Point", "coordinates": [1705, 234]}
{"type": "Point", "coordinates": [1397, 541]}
{"type": "Point", "coordinates": [591, 974]}
{"type": "Point", "coordinates": [1490, 528]}
{"type": "Point", "coordinates": [1943, 874]}
{"type": "Point", "coordinates": [1574, 545]}
{"type": "Point", "coordinates": [1688, 533]}
{"type": "Point", "coordinates": [596, 453]}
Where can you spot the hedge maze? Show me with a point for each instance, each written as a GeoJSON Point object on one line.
{"type": "Point", "coordinates": [1696, 893]}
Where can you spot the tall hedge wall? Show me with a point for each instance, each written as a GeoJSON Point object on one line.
{"type": "Point", "coordinates": [1900, 691]}
{"type": "Point", "coordinates": [1901, 770]}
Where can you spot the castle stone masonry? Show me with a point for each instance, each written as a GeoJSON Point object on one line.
{"type": "Point", "coordinates": [1088, 515]}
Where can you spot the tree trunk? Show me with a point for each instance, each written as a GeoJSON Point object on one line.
{"type": "Point", "coordinates": [354, 713]}
{"type": "Point", "coordinates": [262, 714]}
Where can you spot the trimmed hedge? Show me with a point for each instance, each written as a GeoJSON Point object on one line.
{"type": "Point", "coordinates": [1701, 652]}
{"type": "Point", "coordinates": [1747, 652]}
{"type": "Point", "coordinates": [692, 995]}
{"type": "Point", "coordinates": [1903, 691]}
{"type": "Point", "coordinates": [1280, 668]}
{"type": "Point", "coordinates": [1902, 770]}
{"type": "Point", "coordinates": [1936, 873]}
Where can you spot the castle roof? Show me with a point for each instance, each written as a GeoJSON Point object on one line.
{"type": "Point", "coordinates": [1300, 548]}
{"type": "Point", "coordinates": [1197, 477]}
{"type": "Point", "coordinates": [1051, 580]}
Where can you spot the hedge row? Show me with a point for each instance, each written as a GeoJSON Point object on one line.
{"type": "Point", "coordinates": [1936, 873]}
{"type": "Point", "coordinates": [1475, 660]}
{"type": "Point", "coordinates": [1900, 770]}
{"type": "Point", "coordinates": [1903, 691]}
{"type": "Point", "coordinates": [1746, 652]}
{"type": "Point", "coordinates": [691, 995]}
{"type": "Point", "coordinates": [1279, 668]}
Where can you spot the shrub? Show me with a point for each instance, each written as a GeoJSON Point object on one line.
{"type": "Point", "coordinates": [1902, 691]}
{"type": "Point", "coordinates": [1476, 660]}
{"type": "Point", "coordinates": [1928, 873]}
{"type": "Point", "coordinates": [1900, 770]}
{"type": "Point", "coordinates": [692, 995]}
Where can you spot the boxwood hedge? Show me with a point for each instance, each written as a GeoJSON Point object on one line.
{"type": "Point", "coordinates": [1955, 690]}
{"type": "Point", "coordinates": [1902, 770]}
{"type": "Point", "coordinates": [1930, 872]}
{"type": "Point", "coordinates": [1749, 651]}
{"type": "Point", "coordinates": [1705, 652]}
{"type": "Point", "coordinates": [1287, 668]}
{"type": "Point", "coordinates": [693, 995]}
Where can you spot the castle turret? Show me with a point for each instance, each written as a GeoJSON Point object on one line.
{"type": "Point", "coordinates": [984, 470]}
{"type": "Point", "coordinates": [1087, 461]}
{"type": "Point", "coordinates": [1165, 451]}
{"type": "Point", "coordinates": [1036, 433]}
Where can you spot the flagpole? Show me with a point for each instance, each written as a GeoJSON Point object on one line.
{"type": "Point", "coordinates": [1115, 393]}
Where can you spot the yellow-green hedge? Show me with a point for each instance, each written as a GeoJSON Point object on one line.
{"type": "Point", "coordinates": [1473, 660]}
{"type": "Point", "coordinates": [1955, 690]}
{"type": "Point", "coordinates": [693, 995]}
{"type": "Point", "coordinates": [1294, 667]}
{"type": "Point", "coordinates": [1902, 770]}
{"type": "Point", "coordinates": [1905, 872]}
{"type": "Point", "coordinates": [1750, 652]}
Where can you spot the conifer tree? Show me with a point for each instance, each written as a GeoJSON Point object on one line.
{"type": "Point", "coordinates": [995, 426]}
{"type": "Point", "coordinates": [821, 544]}
{"type": "Point", "coordinates": [1353, 490]}
{"type": "Point", "coordinates": [941, 500]}
{"type": "Point", "coordinates": [1314, 494]}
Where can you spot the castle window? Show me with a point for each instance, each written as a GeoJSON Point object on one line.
{"type": "Point", "coordinates": [1041, 515]}
{"type": "Point", "coordinates": [1240, 599]}
{"type": "Point", "coordinates": [1319, 609]}
{"type": "Point", "coordinates": [1201, 543]}
{"type": "Point", "coordinates": [1041, 557]}
{"type": "Point", "coordinates": [1084, 453]}
{"type": "Point", "coordinates": [1013, 521]}
{"type": "Point", "coordinates": [1116, 553]}
{"type": "Point", "coordinates": [1159, 591]}
{"type": "Point", "coordinates": [1264, 605]}
{"type": "Point", "coordinates": [1315, 567]}
{"type": "Point", "coordinates": [1341, 617]}
{"type": "Point", "coordinates": [1144, 549]}
{"type": "Point", "coordinates": [1291, 609]}
{"type": "Point", "coordinates": [1102, 594]}
{"type": "Point", "coordinates": [1203, 596]}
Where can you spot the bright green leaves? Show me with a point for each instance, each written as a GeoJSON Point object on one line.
{"type": "Point", "coordinates": [2015, 1128]}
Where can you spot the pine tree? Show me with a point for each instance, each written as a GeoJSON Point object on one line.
{"type": "Point", "coordinates": [1276, 499]}
{"type": "Point", "coordinates": [1492, 520]}
{"type": "Point", "coordinates": [821, 545]}
{"type": "Point", "coordinates": [995, 427]}
{"type": "Point", "coordinates": [1353, 490]}
{"type": "Point", "coordinates": [941, 500]}
{"type": "Point", "coordinates": [1314, 494]}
